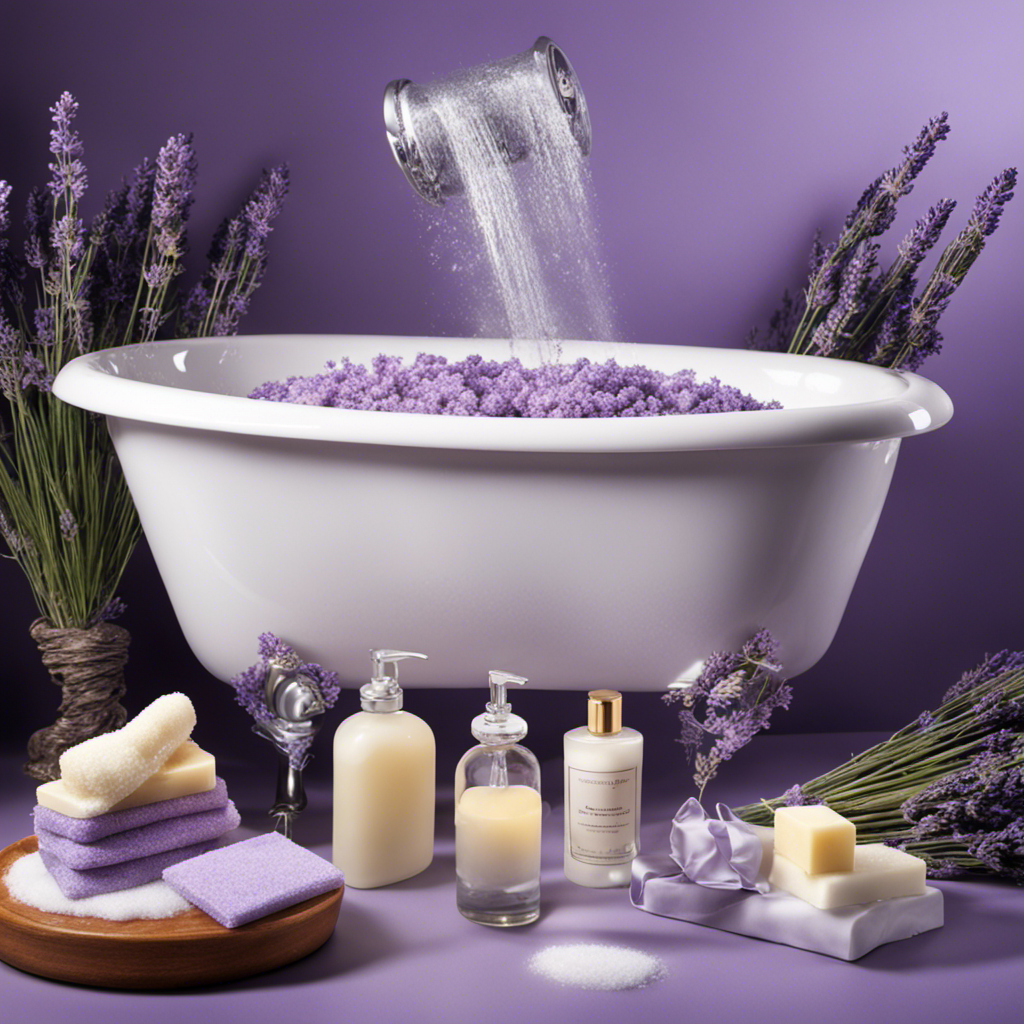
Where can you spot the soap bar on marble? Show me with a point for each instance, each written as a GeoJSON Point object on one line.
{"type": "Point", "coordinates": [846, 933]}
{"type": "Point", "coordinates": [879, 873]}
{"type": "Point", "coordinates": [170, 834]}
{"type": "Point", "coordinates": [103, 770]}
{"type": "Point", "coordinates": [815, 838]}
{"type": "Point", "coordinates": [190, 769]}
{"type": "Point", "coordinates": [253, 878]}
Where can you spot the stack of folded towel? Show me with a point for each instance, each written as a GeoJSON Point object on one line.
{"type": "Point", "coordinates": [131, 803]}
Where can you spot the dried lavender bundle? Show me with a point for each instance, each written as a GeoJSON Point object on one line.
{"type": "Point", "coordinates": [852, 309]}
{"type": "Point", "coordinates": [736, 693]}
{"type": "Point", "coordinates": [65, 512]}
{"type": "Point", "coordinates": [948, 787]}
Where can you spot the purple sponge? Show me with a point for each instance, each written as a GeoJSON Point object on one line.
{"type": "Point", "coordinates": [170, 834]}
{"type": "Point", "coordinates": [78, 884]}
{"type": "Point", "coordinates": [88, 830]}
{"type": "Point", "coordinates": [248, 880]}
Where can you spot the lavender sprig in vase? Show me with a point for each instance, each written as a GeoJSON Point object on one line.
{"type": "Point", "coordinates": [65, 512]}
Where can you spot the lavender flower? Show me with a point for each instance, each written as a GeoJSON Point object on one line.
{"type": "Point", "coordinates": [737, 693]}
{"type": "Point", "coordinates": [113, 609]}
{"type": "Point", "coordinates": [925, 234]}
{"type": "Point", "coordinates": [263, 208]}
{"type": "Point", "coordinates": [34, 373]}
{"type": "Point", "coordinates": [988, 207]}
{"type": "Point", "coordinates": [796, 797]}
{"type": "Point", "coordinates": [68, 524]}
{"type": "Point", "coordinates": [68, 172]}
{"type": "Point", "coordinates": [37, 248]}
{"type": "Point", "coordinates": [11, 357]}
{"type": "Point", "coordinates": [991, 667]}
{"type": "Point", "coordinates": [173, 188]}
{"type": "Point", "coordinates": [855, 279]}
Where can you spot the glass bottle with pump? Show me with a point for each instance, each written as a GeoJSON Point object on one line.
{"type": "Point", "coordinates": [383, 784]}
{"type": "Point", "coordinates": [603, 764]}
{"type": "Point", "coordinates": [498, 818]}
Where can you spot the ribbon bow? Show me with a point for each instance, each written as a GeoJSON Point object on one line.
{"type": "Point", "coordinates": [719, 853]}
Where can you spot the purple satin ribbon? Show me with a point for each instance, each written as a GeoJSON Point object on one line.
{"type": "Point", "coordinates": [718, 853]}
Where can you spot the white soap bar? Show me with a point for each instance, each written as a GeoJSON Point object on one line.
{"type": "Point", "coordinates": [104, 770]}
{"type": "Point", "coordinates": [846, 932]}
{"type": "Point", "coordinates": [815, 838]}
{"type": "Point", "coordinates": [190, 769]}
{"type": "Point", "coordinates": [879, 873]}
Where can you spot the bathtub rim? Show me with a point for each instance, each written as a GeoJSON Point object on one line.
{"type": "Point", "coordinates": [93, 381]}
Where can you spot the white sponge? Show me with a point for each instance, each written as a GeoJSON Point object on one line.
{"type": "Point", "coordinates": [105, 769]}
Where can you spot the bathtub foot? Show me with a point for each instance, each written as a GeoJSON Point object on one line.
{"type": "Point", "coordinates": [291, 796]}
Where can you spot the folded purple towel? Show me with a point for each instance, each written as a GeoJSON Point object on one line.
{"type": "Point", "coordinates": [186, 830]}
{"type": "Point", "coordinates": [78, 884]}
{"type": "Point", "coordinates": [88, 830]}
{"type": "Point", "coordinates": [253, 878]}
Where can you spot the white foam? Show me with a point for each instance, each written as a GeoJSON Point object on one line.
{"type": "Point", "coordinates": [598, 966]}
{"type": "Point", "coordinates": [29, 882]}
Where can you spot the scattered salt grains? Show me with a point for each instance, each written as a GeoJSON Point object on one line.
{"type": "Point", "coordinates": [29, 882]}
{"type": "Point", "coordinates": [598, 966]}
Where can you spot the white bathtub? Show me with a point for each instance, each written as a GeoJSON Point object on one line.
{"type": "Point", "coordinates": [580, 553]}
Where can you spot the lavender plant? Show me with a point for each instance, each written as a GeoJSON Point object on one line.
{"type": "Point", "coordinates": [851, 308]}
{"type": "Point", "coordinates": [948, 787]}
{"type": "Point", "coordinates": [732, 699]}
{"type": "Point", "coordinates": [65, 513]}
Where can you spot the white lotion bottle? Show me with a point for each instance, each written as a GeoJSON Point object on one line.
{"type": "Point", "coordinates": [603, 767]}
{"type": "Point", "coordinates": [384, 764]}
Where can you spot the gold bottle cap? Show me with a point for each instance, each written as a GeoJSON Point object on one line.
{"type": "Point", "coordinates": [604, 712]}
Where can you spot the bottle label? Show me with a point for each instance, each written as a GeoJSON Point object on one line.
{"type": "Point", "coordinates": [601, 811]}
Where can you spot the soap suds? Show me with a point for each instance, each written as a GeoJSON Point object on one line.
{"type": "Point", "coordinates": [598, 966]}
{"type": "Point", "coordinates": [29, 882]}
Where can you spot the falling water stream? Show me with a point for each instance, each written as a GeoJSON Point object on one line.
{"type": "Point", "coordinates": [495, 140]}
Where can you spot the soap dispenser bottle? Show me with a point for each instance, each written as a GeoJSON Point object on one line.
{"type": "Point", "coordinates": [497, 818]}
{"type": "Point", "coordinates": [603, 765]}
{"type": "Point", "coordinates": [383, 784]}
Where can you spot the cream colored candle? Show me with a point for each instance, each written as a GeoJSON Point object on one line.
{"type": "Point", "coordinates": [497, 836]}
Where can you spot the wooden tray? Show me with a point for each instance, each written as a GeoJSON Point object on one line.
{"type": "Point", "coordinates": [175, 952]}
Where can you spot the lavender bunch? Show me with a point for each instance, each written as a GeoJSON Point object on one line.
{"type": "Point", "coordinates": [851, 308]}
{"type": "Point", "coordinates": [948, 787]}
{"type": "Point", "coordinates": [65, 513]}
{"type": "Point", "coordinates": [736, 693]}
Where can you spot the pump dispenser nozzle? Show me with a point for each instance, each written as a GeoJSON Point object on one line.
{"type": "Point", "coordinates": [498, 725]}
{"type": "Point", "coordinates": [382, 692]}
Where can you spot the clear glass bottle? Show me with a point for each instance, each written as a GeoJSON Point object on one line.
{"type": "Point", "coordinates": [498, 818]}
{"type": "Point", "coordinates": [603, 766]}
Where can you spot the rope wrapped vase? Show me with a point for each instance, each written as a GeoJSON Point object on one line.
{"type": "Point", "coordinates": [88, 666]}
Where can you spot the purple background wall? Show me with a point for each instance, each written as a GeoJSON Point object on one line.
{"type": "Point", "coordinates": [724, 134]}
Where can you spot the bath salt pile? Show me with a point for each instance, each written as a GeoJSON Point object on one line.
{"type": "Point", "coordinates": [595, 965]}
{"type": "Point", "coordinates": [29, 882]}
{"type": "Point", "coordinates": [475, 386]}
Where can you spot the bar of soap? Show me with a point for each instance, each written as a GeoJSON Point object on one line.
{"type": "Point", "coordinates": [77, 884]}
{"type": "Point", "coordinates": [879, 873]}
{"type": "Point", "coordinates": [170, 834]}
{"type": "Point", "coordinates": [105, 769]}
{"type": "Point", "coordinates": [815, 838]}
{"type": "Point", "coordinates": [253, 878]}
{"type": "Point", "coordinates": [190, 769]}
{"type": "Point", "coordinates": [846, 933]}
